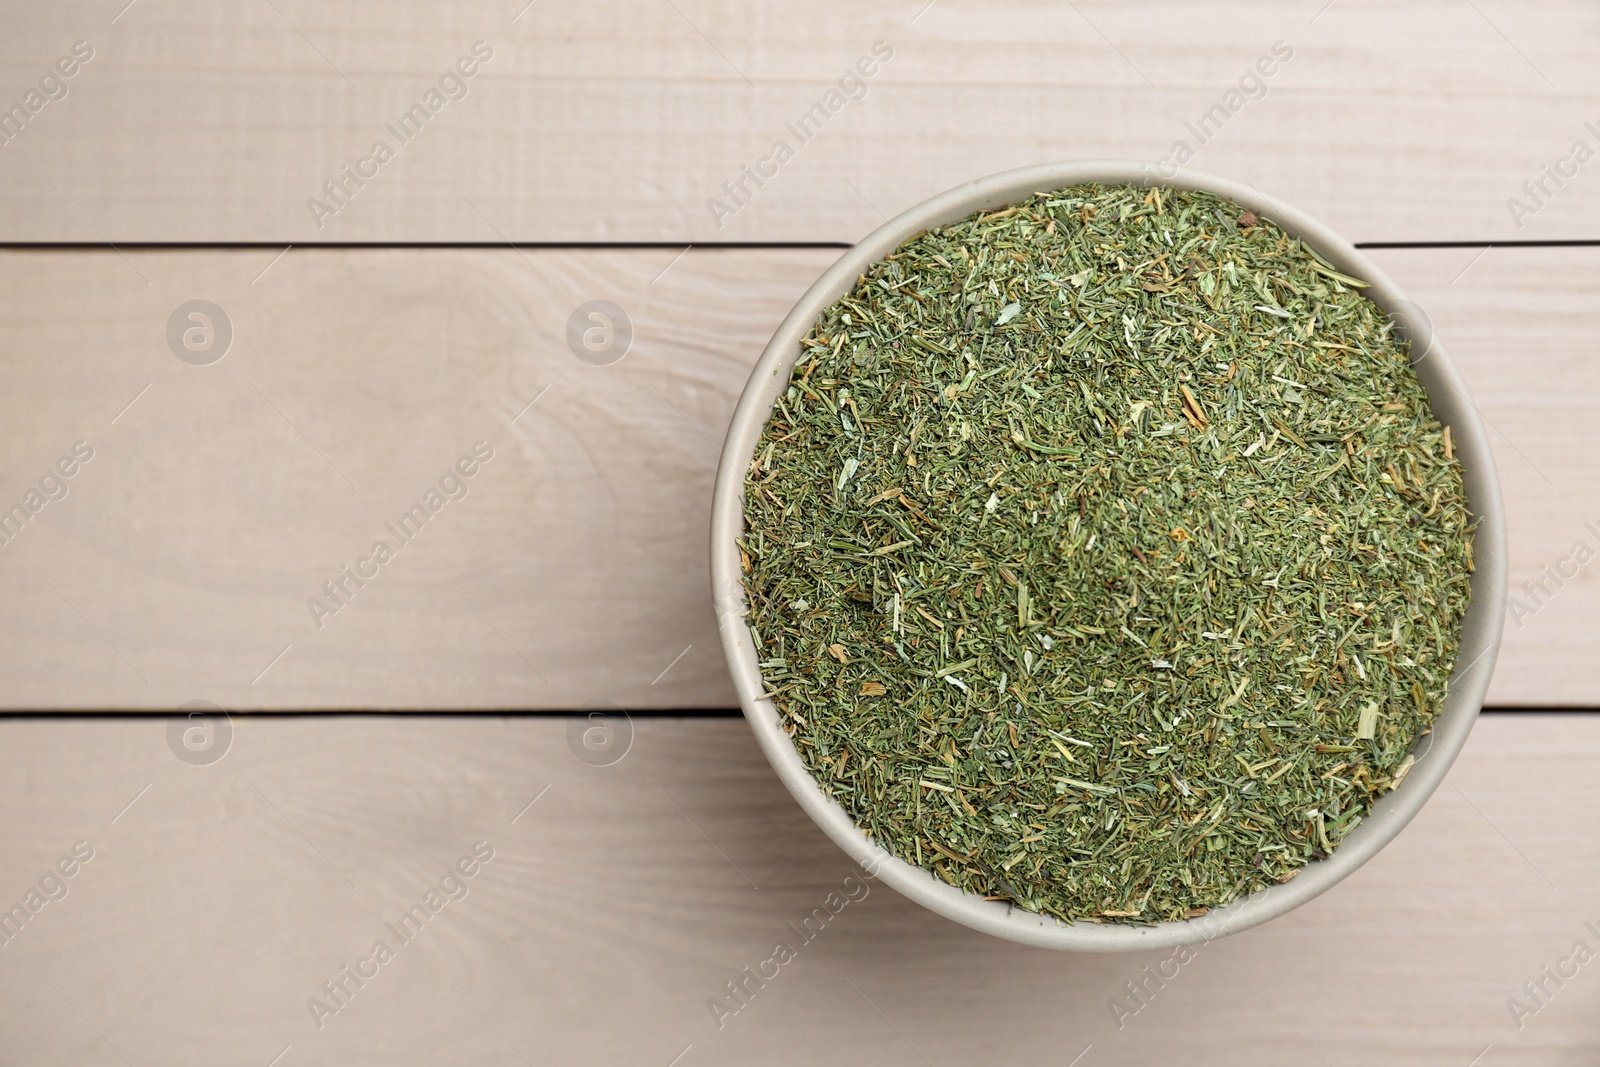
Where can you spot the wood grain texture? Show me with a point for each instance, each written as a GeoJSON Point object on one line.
{"type": "Point", "coordinates": [627, 897]}
{"type": "Point", "coordinates": [618, 121]}
{"type": "Point", "coordinates": [1521, 325]}
{"type": "Point", "coordinates": [185, 556]}
{"type": "Point", "coordinates": [182, 561]}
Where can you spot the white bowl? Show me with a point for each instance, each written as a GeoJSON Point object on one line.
{"type": "Point", "coordinates": [1434, 752]}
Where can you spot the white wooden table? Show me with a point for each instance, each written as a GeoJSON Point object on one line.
{"type": "Point", "coordinates": [422, 306]}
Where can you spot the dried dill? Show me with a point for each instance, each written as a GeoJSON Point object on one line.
{"type": "Point", "coordinates": [1103, 555]}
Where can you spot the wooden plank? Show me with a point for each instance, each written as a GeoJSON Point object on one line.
{"type": "Point", "coordinates": [1520, 324]}
{"type": "Point", "coordinates": [619, 121]}
{"type": "Point", "coordinates": [220, 898]}
{"type": "Point", "coordinates": [220, 499]}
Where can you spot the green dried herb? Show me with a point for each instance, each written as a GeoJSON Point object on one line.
{"type": "Point", "coordinates": [1103, 555]}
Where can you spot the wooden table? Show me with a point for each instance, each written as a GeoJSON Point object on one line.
{"type": "Point", "coordinates": [389, 311]}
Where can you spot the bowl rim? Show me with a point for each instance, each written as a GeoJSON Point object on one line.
{"type": "Point", "coordinates": [1434, 752]}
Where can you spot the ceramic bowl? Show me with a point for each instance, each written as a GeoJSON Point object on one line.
{"type": "Point", "coordinates": [1434, 752]}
